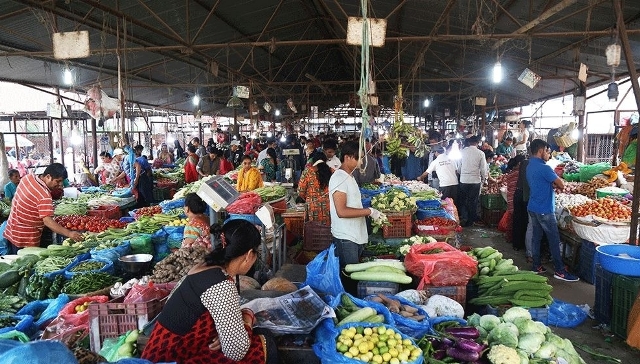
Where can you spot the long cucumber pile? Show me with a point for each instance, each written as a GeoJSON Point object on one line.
{"type": "Point", "coordinates": [501, 283]}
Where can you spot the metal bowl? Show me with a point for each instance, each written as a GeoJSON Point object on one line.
{"type": "Point", "coordinates": [135, 263]}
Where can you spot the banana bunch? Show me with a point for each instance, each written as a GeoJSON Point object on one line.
{"type": "Point", "coordinates": [395, 149]}
{"type": "Point", "coordinates": [399, 127]}
{"type": "Point", "coordinates": [421, 148]}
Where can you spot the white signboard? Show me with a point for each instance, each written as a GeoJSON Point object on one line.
{"type": "Point", "coordinates": [242, 92]}
{"type": "Point", "coordinates": [71, 45]}
{"type": "Point", "coordinates": [377, 31]}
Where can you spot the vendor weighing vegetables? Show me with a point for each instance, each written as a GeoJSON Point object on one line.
{"type": "Point", "coordinates": [32, 209]}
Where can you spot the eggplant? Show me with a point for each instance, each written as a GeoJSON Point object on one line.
{"type": "Point", "coordinates": [463, 332]}
{"type": "Point", "coordinates": [464, 355]}
{"type": "Point", "coordinates": [469, 345]}
{"type": "Point", "coordinates": [446, 342]}
{"type": "Point", "coordinates": [439, 354]}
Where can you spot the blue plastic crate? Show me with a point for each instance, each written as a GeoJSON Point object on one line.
{"type": "Point", "coordinates": [587, 261]}
{"type": "Point", "coordinates": [602, 308]}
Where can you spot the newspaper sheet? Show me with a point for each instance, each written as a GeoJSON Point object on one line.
{"type": "Point", "coordinates": [295, 313]}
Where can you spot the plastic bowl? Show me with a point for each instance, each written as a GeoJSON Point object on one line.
{"type": "Point", "coordinates": [608, 256]}
{"type": "Point", "coordinates": [135, 263]}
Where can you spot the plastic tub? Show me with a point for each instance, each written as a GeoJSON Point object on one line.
{"type": "Point", "coordinates": [609, 259]}
{"type": "Point", "coordinates": [610, 191]}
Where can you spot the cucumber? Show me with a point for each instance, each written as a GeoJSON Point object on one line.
{"type": "Point", "coordinates": [9, 278]}
{"type": "Point", "coordinates": [381, 277]}
{"type": "Point", "coordinates": [358, 316]}
{"type": "Point", "coordinates": [384, 269]}
{"type": "Point", "coordinates": [349, 268]}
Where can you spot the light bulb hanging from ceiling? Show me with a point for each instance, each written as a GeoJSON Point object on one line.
{"type": "Point", "coordinates": [613, 60]}
{"type": "Point", "coordinates": [497, 72]}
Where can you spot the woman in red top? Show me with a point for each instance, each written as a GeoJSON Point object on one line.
{"type": "Point", "coordinates": [314, 188]}
{"type": "Point", "coordinates": [190, 173]}
{"type": "Point", "coordinates": [225, 165]}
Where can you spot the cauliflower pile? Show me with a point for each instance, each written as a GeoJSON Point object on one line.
{"type": "Point", "coordinates": [416, 239]}
{"type": "Point", "coordinates": [515, 339]}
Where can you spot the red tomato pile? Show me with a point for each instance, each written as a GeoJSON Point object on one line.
{"type": "Point", "coordinates": [148, 211]}
{"type": "Point", "coordinates": [605, 208]}
{"type": "Point", "coordinates": [94, 224]}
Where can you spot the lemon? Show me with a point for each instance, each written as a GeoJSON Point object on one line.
{"type": "Point", "coordinates": [368, 331]}
{"type": "Point", "coordinates": [394, 352]}
{"type": "Point", "coordinates": [386, 357]}
{"type": "Point", "coordinates": [363, 348]}
{"type": "Point", "coordinates": [394, 361]}
{"type": "Point", "coordinates": [354, 351]}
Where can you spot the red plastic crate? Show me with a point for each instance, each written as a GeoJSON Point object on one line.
{"type": "Point", "coordinates": [317, 236]}
{"type": "Point", "coordinates": [109, 212]}
{"type": "Point", "coordinates": [400, 226]}
{"type": "Point", "coordinates": [456, 293]}
{"type": "Point", "coordinates": [115, 318]}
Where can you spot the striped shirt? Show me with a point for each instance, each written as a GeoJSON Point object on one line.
{"type": "Point", "coordinates": [31, 204]}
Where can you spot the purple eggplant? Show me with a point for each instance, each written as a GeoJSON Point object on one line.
{"type": "Point", "coordinates": [469, 345]}
{"type": "Point", "coordinates": [464, 355]}
{"type": "Point", "coordinates": [446, 342]}
{"type": "Point", "coordinates": [439, 354]}
{"type": "Point", "coordinates": [463, 332]}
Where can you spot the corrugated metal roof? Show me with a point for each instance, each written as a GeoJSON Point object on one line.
{"type": "Point", "coordinates": [171, 46]}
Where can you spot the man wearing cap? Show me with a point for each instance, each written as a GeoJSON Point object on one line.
{"type": "Point", "coordinates": [446, 170]}
{"type": "Point", "coordinates": [209, 164]}
{"type": "Point", "coordinates": [235, 153]}
{"type": "Point", "coordinates": [271, 143]}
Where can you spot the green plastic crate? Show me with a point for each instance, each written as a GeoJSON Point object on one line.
{"type": "Point", "coordinates": [493, 202]}
{"type": "Point", "coordinates": [625, 290]}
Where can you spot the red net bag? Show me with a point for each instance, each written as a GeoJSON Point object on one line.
{"type": "Point", "coordinates": [440, 264]}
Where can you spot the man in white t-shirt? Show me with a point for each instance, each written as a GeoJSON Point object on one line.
{"type": "Point", "coordinates": [329, 147]}
{"type": "Point", "coordinates": [348, 224]}
{"type": "Point", "coordinates": [473, 173]}
{"type": "Point", "coordinates": [271, 143]}
{"type": "Point", "coordinates": [447, 172]}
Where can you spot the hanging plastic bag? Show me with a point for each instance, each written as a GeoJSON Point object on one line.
{"type": "Point", "coordinates": [323, 273]}
{"type": "Point", "coordinates": [440, 264]}
{"type": "Point", "coordinates": [563, 314]}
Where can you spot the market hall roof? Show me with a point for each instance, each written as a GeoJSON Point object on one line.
{"type": "Point", "coordinates": [443, 49]}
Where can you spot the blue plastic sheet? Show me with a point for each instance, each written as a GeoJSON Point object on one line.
{"type": "Point", "coordinates": [111, 254]}
{"type": "Point", "coordinates": [160, 247]}
{"type": "Point", "coordinates": [175, 234]}
{"type": "Point", "coordinates": [171, 204]}
{"type": "Point", "coordinates": [25, 324]}
{"type": "Point", "coordinates": [563, 314]}
{"type": "Point", "coordinates": [35, 352]}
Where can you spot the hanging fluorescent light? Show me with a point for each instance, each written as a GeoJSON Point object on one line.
{"type": "Point", "coordinates": [277, 112]}
{"type": "Point", "coordinates": [612, 92]}
{"type": "Point", "coordinates": [68, 77]}
{"type": "Point", "coordinates": [269, 134]}
{"type": "Point", "coordinates": [497, 72]}
{"type": "Point", "coordinates": [196, 99]}
{"type": "Point", "coordinates": [426, 102]}
{"type": "Point", "coordinates": [235, 103]}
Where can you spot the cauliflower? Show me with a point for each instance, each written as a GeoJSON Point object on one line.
{"type": "Point", "coordinates": [506, 334]}
{"type": "Point", "coordinates": [500, 354]}
{"type": "Point", "coordinates": [489, 322]}
{"type": "Point", "coordinates": [438, 305]}
{"type": "Point", "coordinates": [411, 295]}
{"type": "Point", "coordinates": [515, 312]}
{"type": "Point", "coordinates": [530, 342]}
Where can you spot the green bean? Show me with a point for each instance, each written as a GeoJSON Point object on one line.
{"type": "Point", "coordinates": [89, 282]}
{"type": "Point", "coordinates": [51, 264]}
{"type": "Point", "coordinates": [87, 266]}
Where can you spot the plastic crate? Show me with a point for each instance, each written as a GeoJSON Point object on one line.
{"type": "Point", "coordinates": [537, 314]}
{"type": "Point", "coordinates": [493, 202]}
{"type": "Point", "coordinates": [570, 249]}
{"type": "Point", "coordinates": [587, 262]}
{"type": "Point", "coordinates": [491, 217]}
{"type": "Point", "coordinates": [317, 236]}
{"type": "Point", "coordinates": [115, 318]}
{"type": "Point", "coordinates": [294, 222]}
{"type": "Point", "coordinates": [625, 290]}
{"type": "Point", "coordinates": [400, 226]}
{"type": "Point", "coordinates": [160, 194]}
{"type": "Point", "coordinates": [366, 288]}
{"type": "Point", "coordinates": [456, 293]}
{"type": "Point", "coordinates": [109, 212]}
{"type": "Point", "coordinates": [604, 295]}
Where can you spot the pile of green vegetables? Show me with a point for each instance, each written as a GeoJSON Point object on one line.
{"type": "Point", "coordinates": [270, 193]}
{"type": "Point", "coordinates": [88, 282]}
{"type": "Point", "coordinates": [393, 200]}
{"type": "Point", "coordinates": [70, 207]}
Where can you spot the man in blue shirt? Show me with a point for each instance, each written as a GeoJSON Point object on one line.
{"type": "Point", "coordinates": [11, 187]}
{"type": "Point", "coordinates": [542, 179]}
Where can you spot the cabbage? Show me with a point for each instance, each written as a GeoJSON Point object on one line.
{"type": "Point", "coordinates": [515, 312]}
{"type": "Point", "coordinates": [506, 334]}
{"type": "Point", "coordinates": [530, 342]}
{"type": "Point", "coordinates": [489, 322]}
{"type": "Point", "coordinates": [527, 326]}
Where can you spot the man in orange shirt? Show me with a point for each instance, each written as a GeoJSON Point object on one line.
{"type": "Point", "coordinates": [32, 209]}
